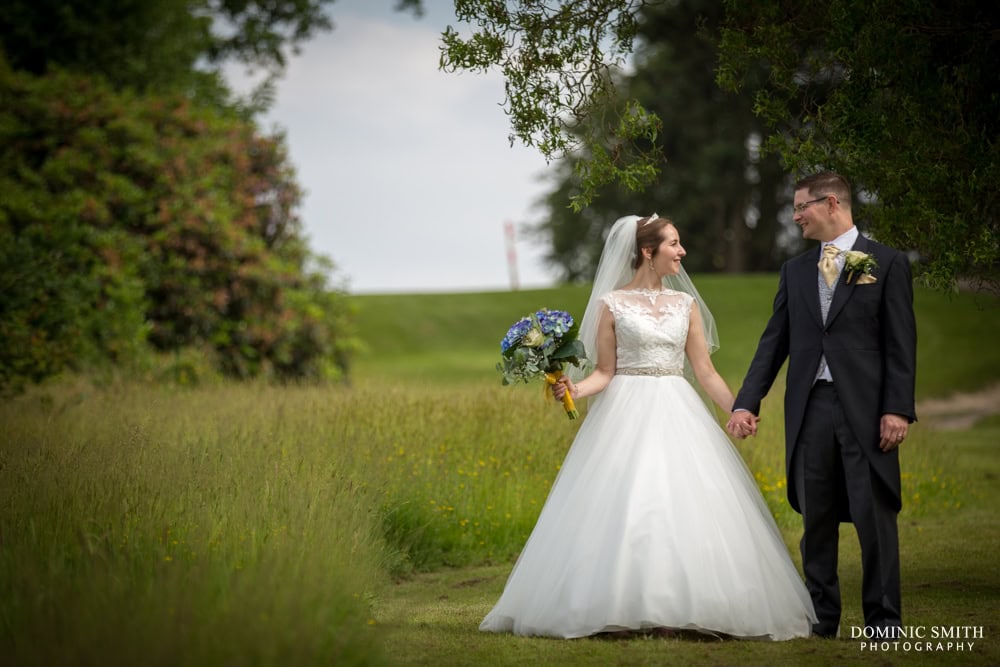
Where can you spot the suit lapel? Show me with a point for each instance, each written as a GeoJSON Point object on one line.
{"type": "Point", "coordinates": [844, 291]}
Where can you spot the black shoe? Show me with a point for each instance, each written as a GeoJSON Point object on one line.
{"type": "Point", "coordinates": [825, 631]}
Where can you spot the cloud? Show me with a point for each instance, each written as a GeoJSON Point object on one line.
{"type": "Point", "coordinates": [408, 171]}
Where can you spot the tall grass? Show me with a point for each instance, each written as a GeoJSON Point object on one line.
{"type": "Point", "coordinates": [243, 524]}
{"type": "Point", "coordinates": [144, 526]}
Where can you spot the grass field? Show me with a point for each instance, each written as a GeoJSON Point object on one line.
{"type": "Point", "coordinates": [376, 523]}
{"type": "Point", "coordinates": [456, 337]}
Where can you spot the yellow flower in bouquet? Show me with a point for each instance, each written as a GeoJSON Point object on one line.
{"type": "Point", "coordinates": [541, 345]}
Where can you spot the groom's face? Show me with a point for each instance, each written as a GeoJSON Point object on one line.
{"type": "Point", "coordinates": [814, 217]}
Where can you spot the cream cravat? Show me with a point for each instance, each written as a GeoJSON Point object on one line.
{"type": "Point", "coordinates": [828, 264]}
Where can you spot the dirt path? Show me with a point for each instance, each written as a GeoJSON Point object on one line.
{"type": "Point", "coordinates": [960, 411]}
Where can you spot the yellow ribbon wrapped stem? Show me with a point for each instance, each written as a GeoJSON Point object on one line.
{"type": "Point", "coordinates": [550, 379]}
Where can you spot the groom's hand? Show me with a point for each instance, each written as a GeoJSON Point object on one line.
{"type": "Point", "coordinates": [892, 431]}
{"type": "Point", "coordinates": [742, 423]}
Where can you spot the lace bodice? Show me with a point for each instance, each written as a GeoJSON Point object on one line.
{"type": "Point", "coordinates": [651, 328]}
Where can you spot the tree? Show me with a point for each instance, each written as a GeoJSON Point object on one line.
{"type": "Point", "coordinates": [900, 95]}
{"type": "Point", "coordinates": [139, 203]}
{"type": "Point", "coordinates": [167, 44]}
{"type": "Point", "coordinates": [128, 218]}
{"type": "Point", "coordinates": [724, 196]}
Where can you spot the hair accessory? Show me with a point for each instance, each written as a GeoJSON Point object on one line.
{"type": "Point", "coordinates": [650, 219]}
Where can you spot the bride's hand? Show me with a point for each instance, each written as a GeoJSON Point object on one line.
{"type": "Point", "coordinates": [562, 385]}
{"type": "Point", "coordinates": [742, 424]}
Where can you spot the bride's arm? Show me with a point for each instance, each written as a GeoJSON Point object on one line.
{"type": "Point", "coordinates": [701, 363]}
{"type": "Point", "coordinates": [607, 362]}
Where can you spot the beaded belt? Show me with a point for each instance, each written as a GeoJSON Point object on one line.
{"type": "Point", "coordinates": [656, 372]}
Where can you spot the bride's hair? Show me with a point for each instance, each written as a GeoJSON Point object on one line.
{"type": "Point", "coordinates": [648, 234]}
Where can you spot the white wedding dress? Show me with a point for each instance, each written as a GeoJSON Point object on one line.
{"type": "Point", "coordinates": [654, 520]}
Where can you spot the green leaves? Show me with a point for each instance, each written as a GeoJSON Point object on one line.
{"type": "Point", "coordinates": [176, 45]}
{"type": "Point", "coordinates": [899, 96]}
{"type": "Point", "coordinates": [559, 61]}
{"type": "Point", "coordinates": [710, 176]}
{"type": "Point", "coordinates": [893, 96]}
{"type": "Point", "coordinates": [572, 353]}
{"type": "Point", "coordinates": [130, 219]}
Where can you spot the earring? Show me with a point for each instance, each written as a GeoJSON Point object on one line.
{"type": "Point", "coordinates": [651, 265]}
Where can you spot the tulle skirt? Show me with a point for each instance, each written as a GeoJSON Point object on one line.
{"type": "Point", "coordinates": [653, 521]}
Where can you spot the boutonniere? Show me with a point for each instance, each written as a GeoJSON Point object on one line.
{"type": "Point", "coordinates": [860, 263]}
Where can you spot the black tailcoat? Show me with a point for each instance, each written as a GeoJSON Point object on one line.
{"type": "Point", "coordinates": [869, 340]}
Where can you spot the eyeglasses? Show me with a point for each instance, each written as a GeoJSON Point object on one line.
{"type": "Point", "coordinates": [799, 208]}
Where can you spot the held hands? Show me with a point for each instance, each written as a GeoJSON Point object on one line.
{"type": "Point", "coordinates": [742, 423]}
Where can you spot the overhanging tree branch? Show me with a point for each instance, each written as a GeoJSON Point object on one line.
{"type": "Point", "coordinates": [559, 62]}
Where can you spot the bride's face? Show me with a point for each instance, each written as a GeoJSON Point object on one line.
{"type": "Point", "coordinates": [667, 261]}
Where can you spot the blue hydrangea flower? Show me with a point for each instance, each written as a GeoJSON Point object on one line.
{"type": "Point", "coordinates": [515, 333]}
{"type": "Point", "coordinates": [555, 322]}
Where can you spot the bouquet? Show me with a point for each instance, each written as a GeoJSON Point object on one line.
{"type": "Point", "coordinates": [540, 345]}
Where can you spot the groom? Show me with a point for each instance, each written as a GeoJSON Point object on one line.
{"type": "Point", "coordinates": [845, 323]}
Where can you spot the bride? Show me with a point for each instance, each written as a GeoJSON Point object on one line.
{"type": "Point", "coordinates": [654, 522]}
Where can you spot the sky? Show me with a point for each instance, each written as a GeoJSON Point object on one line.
{"type": "Point", "coordinates": [408, 172]}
